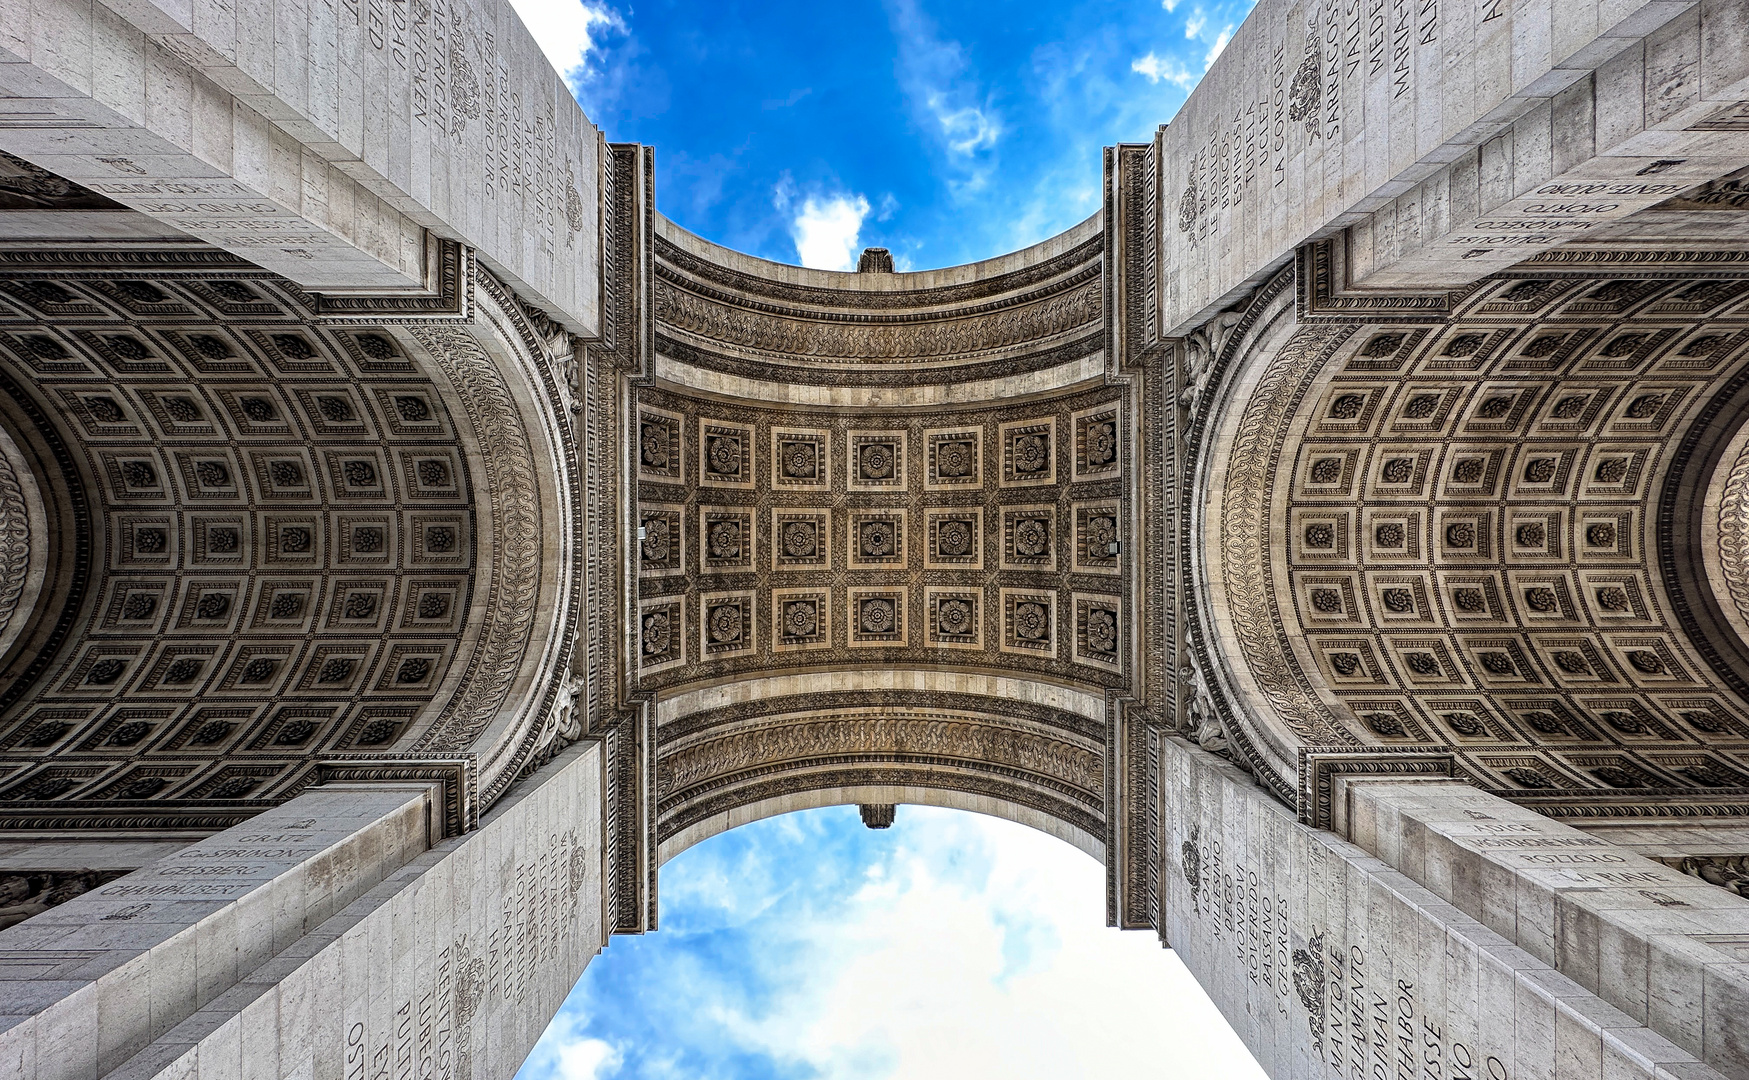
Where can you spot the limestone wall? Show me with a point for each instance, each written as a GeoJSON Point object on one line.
{"type": "Point", "coordinates": [451, 967]}
{"type": "Point", "coordinates": [1330, 962]}
{"type": "Point", "coordinates": [320, 141]}
{"type": "Point", "coordinates": [1454, 139]}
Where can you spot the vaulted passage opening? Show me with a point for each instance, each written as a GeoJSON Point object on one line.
{"type": "Point", "coordinates": [949, 944]}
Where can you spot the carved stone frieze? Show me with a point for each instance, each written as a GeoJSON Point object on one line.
{"type": "Point", "coordinates": [1038, 757]}
{"type": "Point", "coordinates": [721, 314]}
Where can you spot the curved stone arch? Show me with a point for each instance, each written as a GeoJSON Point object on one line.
{"type": "Point", "coordinates": [1441, 533]}
{"type": "Point", "coordinates": [937, 737]}
{"type": "Point", "coordinates": [1253, 361]}
{"type": "Point", "coordinates": [23, 542]}
{"type": "Point", "coordinates": [227, 370]}
{"type": "Point", "coordinates": [948, 798]}
{"type": "Point", "coordinates": [499, 706]}
{"type": "Point", "coordinates": [55, 484]}
{"type": "Point", "coordinates": [763, 329]}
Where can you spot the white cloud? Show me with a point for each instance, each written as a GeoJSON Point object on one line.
{"type": "Point", "coordinates": [565, 1053]}
{"type": "Point", "coordinates": [1214, 52]}
{"type": "Point", "coordinates": [966, 129]}
{"type": "Point", "coordinates": [565, 30]}
{"type": "Point", "coordinates": [1193, 26]}
{"type": "Point", "coordinates": [1159, 70]}
{"type": "Point", "coordinates": [1012, 974]}
{"type": "Point", "coordinates": [1169, 5]}
{"type": "Point", "coordinates": [937, 78]}
{"type": "Point", "coordinates": [825, 228]}
{"type": "Point", "coordinates": [587, 1059]}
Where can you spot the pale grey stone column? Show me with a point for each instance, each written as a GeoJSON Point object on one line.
{"type": "Point", "coordinates": [1330, 962]}
{"type": "Point", "coordinates": [385, 958]}
{"type": "Point", "coordinates": [88, 984]}
{"type": "Point", "coordinates": [1665, 948]}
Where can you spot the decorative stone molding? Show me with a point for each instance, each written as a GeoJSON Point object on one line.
{"type": "Point", "coordinates": [723, 312]}
{"type": "Point", "coordinates": [716, 759]}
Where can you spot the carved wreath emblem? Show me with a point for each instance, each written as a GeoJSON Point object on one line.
{"type": "Point", "coordinates": [725, 540]}
{"type": "Point", "coordinates": [800, 539]}
{"type": "Point", "coordinates": [1032, 453]}
{"type": "Point", "coordinates": [800, 460]}
{"type": "Point", "coordinates": [1032, 621]}
{"type": "Point", "coordinates": [656, 540]}
{"type": "Point", "coordinates": [875, 461]}
{"type": "Point", "coordinates": [724, 623]}
{"type": "Point", "coordinates": [954, 617]}
{"type": "Point", "coordinates": [1032, 537]}
{"type": "Point", "coordinates": [878, 616]}
{"type": "Point", "coordinates": [801, 618]}
{"type": "Point", "coordinates": [657, 634]}
{"type": "Point", "coordinates": [1101, 443]}
{"type": "Point", "coordinates": [1307, 85]}
{"type": "Point", "coordinates": [723, 454]}
{"type": "Point", "coordinates": [879, 539]}
{"type": "Point", "coordinates": [1309, 983]}
{"type": "Point", "coordinates": [1102, 631]}
{"type": "Point", "coordinates": [954, 459]}
{"type": "Point", "coordinates": [953, 538]}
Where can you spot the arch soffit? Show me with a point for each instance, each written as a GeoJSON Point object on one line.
{"type": "Point", "coordinates": [1036, 748]}
{"type": "Point", "coordinates": [946, 798]}
{"type": "Point", "coordinates": [1441, 534]}
{"type": "Point", "coordinates": [237, 335]}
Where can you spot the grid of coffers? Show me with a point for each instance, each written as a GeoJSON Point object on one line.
{"type": "Point", "coordinates": [285, 545]}
{"type": "Point", "coordinates": [985, 538]}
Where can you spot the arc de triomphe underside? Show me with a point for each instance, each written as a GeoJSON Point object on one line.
{"type": "Point", "coordinates": [410, 539]}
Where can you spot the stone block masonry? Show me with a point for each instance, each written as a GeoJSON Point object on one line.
{"type": "Point", "coordinates": [89, 984]}
{"type": "Point", "coordinates": [1451, 140]}
{"type": "Point", "coordinates": [1331, 962]}
{"type": "Point", "coordinates": [449, 967]}
{"type": "Point", "coordinates": [320, 142]}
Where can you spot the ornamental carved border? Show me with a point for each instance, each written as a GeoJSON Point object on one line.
{"type": "Point", "coordinates": [1209, 358]}
{"type": "Point", "coordinates": [1030, 319]}
{"type": "Point", "coordinates": [682, 262]}
{"type": "Point", "coordinates": [15, 543]}
{"type": "Point", "coordinates": [513, 599]}
{"type": "Point", "coordinates": [721, 758]}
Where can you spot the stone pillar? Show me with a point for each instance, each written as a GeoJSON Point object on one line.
{"type": "Point", "coordinates": [327, 938]}
{"type": "Point", "coordinates": [1667, 949]}
{"type": "Point", "coordinates": [1331, 962]}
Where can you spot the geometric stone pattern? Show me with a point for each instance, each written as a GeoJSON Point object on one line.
{"type": "Point", "coordinates": [879, 538]}
{"type": "Point", "coordinates": [288, 545]}
{"type": "Point", "coordinates": [1470, 514]}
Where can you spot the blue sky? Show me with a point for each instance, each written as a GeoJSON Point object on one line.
{"type": "Point", "coordinates": [951, 945]}
{"type": "Point", "coordinates": [802, 130]}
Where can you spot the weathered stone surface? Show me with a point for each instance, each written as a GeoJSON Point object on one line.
{"type": "Point", "coordinates": [451, 965]}
{"type": "Point", "coordinates": [1439, 534]}
{"type": "Point", "coordinates": [1450, 140]}
{"type": "Point", "coordinates": [132, 959]}
{"type": "Point", "coordinates": [1330, 961]}
{"type": "Point", "coordinates": [320, 143]}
